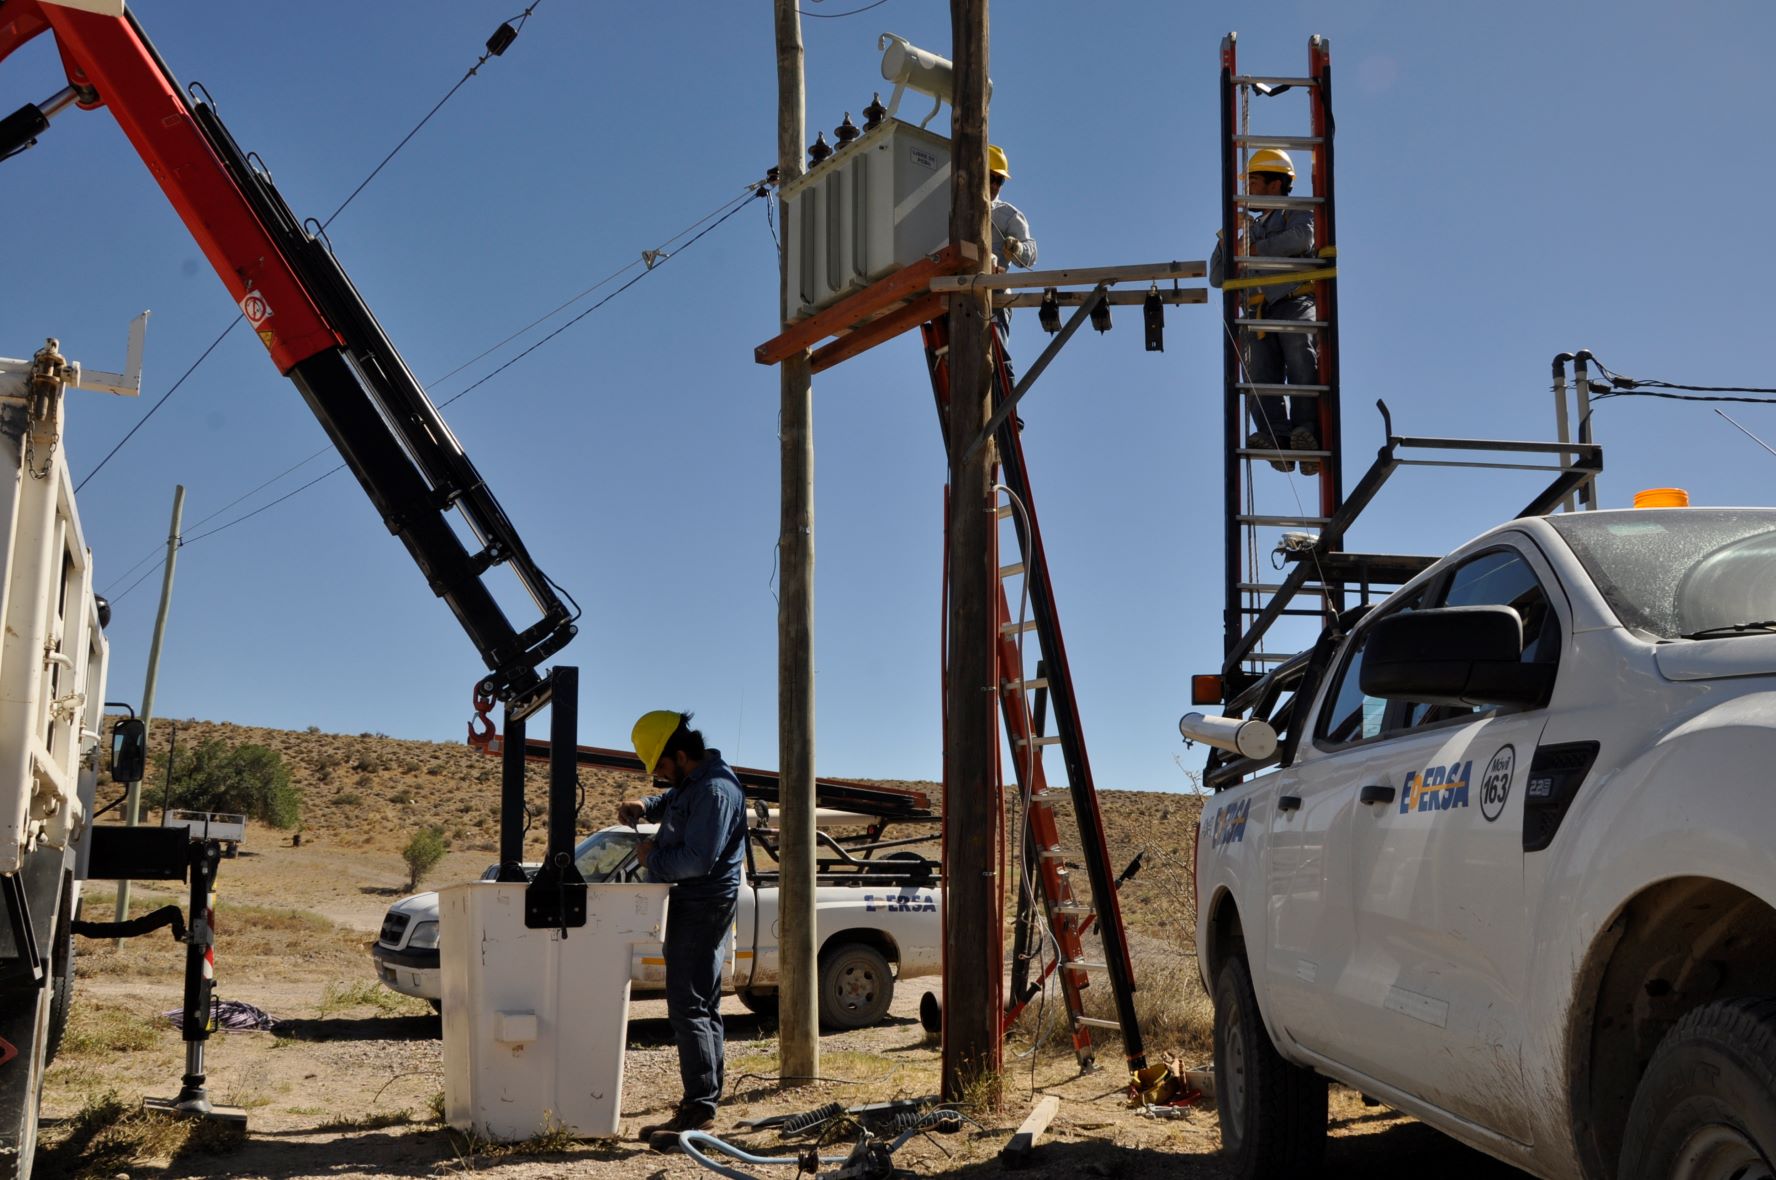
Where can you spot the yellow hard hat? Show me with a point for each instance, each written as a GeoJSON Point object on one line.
{"type": "Point", "coordinates": [1271, 160]}
{"type": "Point", "coordinates": [651, 734]}
{"type": "Point", "coordinates": [996, 164]}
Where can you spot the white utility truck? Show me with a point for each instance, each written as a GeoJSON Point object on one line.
{"type": "Point", "coordinates": [52, 701]}
{"type": "Point", "coordinates": [1509, 865]}
{"type": "Point", "coordinates": [878, 919]}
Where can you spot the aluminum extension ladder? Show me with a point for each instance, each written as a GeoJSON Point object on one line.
{"type": "Point", "coordinates": [1247, 589]}
{"type": "Point", "coordinates": [1068, 911]}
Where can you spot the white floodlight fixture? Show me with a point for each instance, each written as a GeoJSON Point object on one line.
{"type": "Point", "coordinates": [905, 64]}
{"type": "Point", "coordinates": [1249, 739]}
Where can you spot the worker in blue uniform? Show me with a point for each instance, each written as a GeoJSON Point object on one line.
{"type": "Point", "coordinates": [699, 849]}
{"type": "Point", "coordinates": [1274, 357]}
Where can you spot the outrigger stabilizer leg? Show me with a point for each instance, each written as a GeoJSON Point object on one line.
{"type": "Point", "coordinates": [193, 1099]}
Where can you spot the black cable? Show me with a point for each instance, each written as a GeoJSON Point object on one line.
{"type": "Point", "coordinates": [473, 70]}
{"type": "Point", "coordinates": [739, 205]}
{"type": "Point", "coordinates": [163, 400]}
{"type": "Point", "coordinates": [479, 62]}
{"type": "Point", "coordinates": [1630, 383]}
{"type": "Point", "coordinates": [1681, 397]}
{"type": "Point", "coordinates": [837, 15]}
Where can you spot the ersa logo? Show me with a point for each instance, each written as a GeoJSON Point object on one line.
{"type": "Point", "coordinates": [1436, 788]}
{"type": "Point", "coordinates": [899, 903]}
{"type": "Point", "coordinates": [1230, 824]}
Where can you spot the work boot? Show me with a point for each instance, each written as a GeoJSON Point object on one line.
{"type": "Point", "coordinates": [1260, 440]}
{"type": "Point", "coordinates": [665, 1137]}
{"type": "Point", "coordinates": [1302, 439]}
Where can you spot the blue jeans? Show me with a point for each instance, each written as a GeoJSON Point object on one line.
{"type": "Point", "coordinates": [1277, 357]}
{"type": "Point", "coordinates": [696, 943]}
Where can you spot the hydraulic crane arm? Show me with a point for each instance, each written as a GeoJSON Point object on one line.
{"type": "Point", "coordinates": [311, 320]}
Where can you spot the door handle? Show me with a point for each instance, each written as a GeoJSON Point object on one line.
{"type": "Point", "coordinates": [1288, 802]}
{"type": "Point", "coordinates": [1375, 795]}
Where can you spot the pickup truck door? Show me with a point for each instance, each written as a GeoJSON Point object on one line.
{"type": "Point", "coordinates": [1425, 948]}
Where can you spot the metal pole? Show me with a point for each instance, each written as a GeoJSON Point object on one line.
{"type": "Point", "coordinates": [1582, 427]}
{"type": "Point", "coordinates": [133, 800]}
{"type": "Point", "coordinates": [1560, 427]}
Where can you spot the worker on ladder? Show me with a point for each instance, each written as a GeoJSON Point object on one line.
{"type": "Point", "coordinates": [1012, 243]}
{"type": "Point", "coordinates": [1272, 357]}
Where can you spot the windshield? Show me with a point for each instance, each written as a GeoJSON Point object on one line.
{"type": "Point", "coordinates": [600, 854]}
{"type": "Point", "coordinates": [1679, 571]}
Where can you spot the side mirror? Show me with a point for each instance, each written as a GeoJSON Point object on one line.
{"type": "Point", "coordinates": [129, 750]}
{"type": "Point", "coordinates": [1456, 655]}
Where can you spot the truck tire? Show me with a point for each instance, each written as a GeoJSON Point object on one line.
{"type": "Point", "coordinates": [61, 960]}
{"type": "Point", "coordinates": [24, 1026]}
{"type": "Point", "coordinates": [856, 986]}
{"type": "Point", "coordinates": [759, 1002]}
{"type": "Point", "coordinates": [1705, 1109]}
{"type": "Point", "coordinates": [1273, 1114]}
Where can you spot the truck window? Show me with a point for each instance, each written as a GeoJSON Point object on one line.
{"type": "Point", "coordinates": [1498, 578]}
{"type": "Point", "coordinates": [1351, 716]}
{"type": "Point", "coordinates": [600, 854]}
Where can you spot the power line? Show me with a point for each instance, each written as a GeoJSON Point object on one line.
{"type": "Point", "coordinates": [497, 44]}
{"type": "Point", "coordinates": [753, 191]}
{"type": "Point", "coordinates": [837, 15]}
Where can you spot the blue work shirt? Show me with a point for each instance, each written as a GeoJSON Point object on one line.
{"type": "Point", "coordinates": [702, 836]}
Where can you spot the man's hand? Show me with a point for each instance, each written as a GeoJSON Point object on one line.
{"type": "Point", "coordinates": [642, 851]}
{"type": "Point", "coordinates": [631, 812]}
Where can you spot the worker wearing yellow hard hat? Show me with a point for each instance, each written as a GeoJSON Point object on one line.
{"type": "Point", "coordinates": [1012, 243]}
{"type": "Point", "coordinates": [1274, 227]}
{"type": "Point", "coordinates": [698, 847]}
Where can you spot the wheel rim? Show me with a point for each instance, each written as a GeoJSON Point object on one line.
{"type": "Point", "coordinates": [856, 986]}
{"type": "Point", "coordinates": [1233, 1040]}
{"type": "Point", "coordinates": [1720, 1152]}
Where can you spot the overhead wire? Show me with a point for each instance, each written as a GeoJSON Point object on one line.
{"type": "Point", "coordinates": [490, 51]}
{"type": "Point", "coordinates": [838, 15]}
{"type": "Point", "coordinates": [721, 214]}
{"type": "Point", "coordinates": [1649, 387]}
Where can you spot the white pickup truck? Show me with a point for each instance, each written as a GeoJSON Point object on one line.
{"type": "Point", "coordinates": [1510, 868]}
{"type": "Point", "coordinates": [878, 919]}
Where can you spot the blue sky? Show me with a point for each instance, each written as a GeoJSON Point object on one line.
{"type": "Point", "coordinates": [1514, 181]}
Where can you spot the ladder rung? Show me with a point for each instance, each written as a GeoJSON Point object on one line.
{"type": "Point", "coordinates": [1277, 141]}
{"type": "Point", "coordinates": [1279, 202]}
{"type": "Point", "coordinates": [1052, 853]}
{"type": "Point", "coordinates": [1075, 908]}
{"type": "Point", "coordinates": [1029, 685]}
{"type": "Point", "coordinates": [1267, 80]}
{"type": "Point", "coordinates": [1256, 388]}
{"type": "Point", "coordinates": [1273, 587]}
{"type": "Point", "coordinates": [1270, 657]}
{"type": "Point", "coordinates": [1281, 325]}
{"type": "Point", "coordinates": [1276, 262]}
{"type": "Point", "coordinates": [1013, 628]}
{"type": "Point", "coordinates": [1002, 510]}
{"type": "Point", "coordinates": [1268, 453]}
{"type": "Point", "coordinates": [1243, 518]}
{"type": "Point", "coordinates": [1051, 740]}
{"type": "Point", "coordinates": [1290, 612]}
{"type": "Point", "coordinates": [1051, 797]}
{"type": "Point", "coordinates": [1097, 1022]}
{"type": "Point", "coordinates": [1084, 965]}
{"type": "Point", "coordinates": [1012, 570]}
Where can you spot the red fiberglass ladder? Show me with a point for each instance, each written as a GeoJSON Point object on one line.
{"type": "Point", "coordinates": [1069, 912]}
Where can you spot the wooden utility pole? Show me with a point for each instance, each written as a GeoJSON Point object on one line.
{"type": "Point", "coordinates": [972, 937]}
{"type": "Point", "coordinates": [798, 1029]}
{"type": "Point", "coordinates": [133, 797]}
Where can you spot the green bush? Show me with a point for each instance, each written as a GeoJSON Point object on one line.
{"type": "Point", "coordinates": [422, 854]}
{"type": "Point", "coordinates": [248, 779]}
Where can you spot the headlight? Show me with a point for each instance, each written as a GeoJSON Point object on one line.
{"type": "Point", "coordinates": [424, 936]}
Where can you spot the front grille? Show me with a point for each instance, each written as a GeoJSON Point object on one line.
{"type": "Point", "coordinates": [393, 927]}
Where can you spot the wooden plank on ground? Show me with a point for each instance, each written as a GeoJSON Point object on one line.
{"type": "Point", "coordinates": [1016, 1153]}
